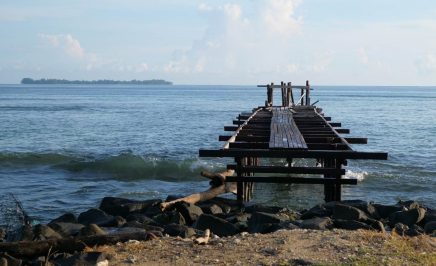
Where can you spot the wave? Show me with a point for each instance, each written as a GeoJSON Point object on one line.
{"type": "Point", "coordinates": [124, 166]}
{"type": "Point", "coordinates": [360, 176]}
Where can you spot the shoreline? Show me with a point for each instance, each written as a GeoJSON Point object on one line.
{"type": "Point", "coordinates": [271, 234]}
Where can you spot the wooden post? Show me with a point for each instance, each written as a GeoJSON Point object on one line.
{"type": "Point", "coordinates": [239, 185]}
{"type": "Point", "coordinates": [301, 96]}
{"type": "Point", "coordinates": [307, 93]}
{"type": "Point", "coordinates": [282, 88]}
{"type": "Point", "coordinates": [290, 93]}
{"type": "Point", "coordinates": [329, 189]}
{"type": "Point", "coordinates": [338, 188]}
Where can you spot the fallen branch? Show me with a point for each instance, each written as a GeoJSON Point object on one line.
{"type": "Point", "coordinates": [30, 249]}
{"type": "Point", "coordinates": [218, 187]}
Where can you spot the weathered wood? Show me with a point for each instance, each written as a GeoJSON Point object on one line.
{"type": "Point", "coordinates": [284, 132]}
{"type": "Point", "coordinates": [287, 170]}
{"type": "Point", "coordinates": [290, 180]}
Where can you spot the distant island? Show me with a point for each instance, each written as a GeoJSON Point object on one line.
{"type": "Point", "coordinates": [99, 82]}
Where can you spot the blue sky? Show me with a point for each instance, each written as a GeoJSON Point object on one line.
{"type": "Point", "coordinates": [343, 42]}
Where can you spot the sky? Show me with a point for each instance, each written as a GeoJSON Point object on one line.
{"type": "Point", "coordinates": [329, 42]}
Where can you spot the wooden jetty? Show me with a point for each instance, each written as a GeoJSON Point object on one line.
{"type": "Point", "coordinates": [295, 129]}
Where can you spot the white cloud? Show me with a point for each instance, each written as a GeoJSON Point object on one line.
{"type": "Point", "coordinates": [143, 67]}
{"type": "Point", "coordinates": [279, 16]}
{"type": "Point", "coordinates": [204, 7]}
{"type": "Point", "coordinates": [426, 64]}
{"type": "Point", "coordinates": [68, 44]}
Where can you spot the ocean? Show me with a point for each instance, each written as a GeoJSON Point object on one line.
{"type": "Point", "coordinates": [64, 147]}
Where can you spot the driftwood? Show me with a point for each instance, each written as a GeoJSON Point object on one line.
{"type": "Point", "coordinates": [204, 239]}
{"type": "Point", "coordinates": [30, 249]}
{"type": "Point", "coordinates": [218, 187]}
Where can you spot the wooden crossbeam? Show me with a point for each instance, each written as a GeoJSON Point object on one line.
{"type": "Point", "coordinates": [287, 170]}
{"type": "Point", "coordinates": [290, 180]}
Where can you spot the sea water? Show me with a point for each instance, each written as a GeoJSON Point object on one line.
{"type": "Point", "coordinates": [64, 147]}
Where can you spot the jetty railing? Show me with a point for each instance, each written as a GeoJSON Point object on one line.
{"type": "Point", "coordinates": [292, 130]}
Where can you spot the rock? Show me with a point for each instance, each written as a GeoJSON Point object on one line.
{"type": "Point", "coordinates": [408, 218]}
{"type": "Point", "coordinates": [2, 234]}
{"type": "Point", "coordinates": [172, 217]}
{"type": "Point", "coordinates": [92, 230]}
{"type": "Point", "coordinates": [143, 226]}
{"type": "Point", "coordinates": [261, 222]}
{"type": "Point", "coordinates": [26, 233]}
{"type": "Point", "coordinates": [66, 229]}
{"type": "Point", "coordinates": [430, 227]}
{"type": "Point", "coordinates": [384, 211]}
{"type": "Point", "coordinates": [409, 204]}
{"type": "Point", "coordinates": [216, 225]}
{"type": "Point", "coordinates": [350, 225]}
{"type": "Point", "coordinates": [95, 216]}
{"type": "Point", "coordinates": [376, 225]}
{"type": "Point", "coordinates": [44, 232]}
{"type": "Point", "coordinates": [128, 230]}
{"type": "Point", "coordinates": [117, 222]}
{"type": "Point", "coordinates": [123, 207]}
{"type": "Point", "coordinates": [318, 223]}
{"type": "Point", "coordinates": [84, 259]}
{"type": "Point", "coordinates": [211, 209]}
{"type": "Point", "coordinates": [139, 217]}
{"type": "Point", "coordinates": [11, 261]}
{"type": "Point", "coordinates": [239, 217]}
{"type": "Point", "coordinates": [400, 229]}
{"type": "Point", "coordinates": [179, 230]}
{"type": "Point", "coordinates": [265, 209]}
{"type": "Point", "coordinates": [65, 218]}
{"type": "Point", "coordinates": [227, 205]}
{"type": "Point", "coordinates": [345, 212]}
{"type": "Point", "coordinates": [173, 197]}
{"type": "Point", "coordinates": [414, 230]}
{"type": "Point", "coordinates": [189, 211]}
{"type": "Point", "coordinates": [3, 261]}
{"type": "Point", "coordinates": [368, 208]}
{"type": "Point", "coordinates": [316, 211]}
{"type": "Point", "coordinates": [430, 216]}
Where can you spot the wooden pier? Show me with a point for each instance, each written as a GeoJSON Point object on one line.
{"type": "Point", "coordinates": [295, 129]}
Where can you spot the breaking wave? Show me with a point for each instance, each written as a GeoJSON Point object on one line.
{"type": "Point", "coordinates": [360, 176]}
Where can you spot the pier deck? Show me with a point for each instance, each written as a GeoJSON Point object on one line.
{"type": "Point", "coordinates": [295, 129]}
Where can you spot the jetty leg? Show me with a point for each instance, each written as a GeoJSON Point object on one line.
{"type": "Point", "coordinates": [239, 184]}
{"type": "Point", "coordinates": [329, 189]}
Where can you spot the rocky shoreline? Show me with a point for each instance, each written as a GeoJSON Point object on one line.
{"type": "Point", "coordinates": [63, 240]}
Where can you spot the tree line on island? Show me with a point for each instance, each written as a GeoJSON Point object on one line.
{"type": "Point", "coordinates": [98, 82]}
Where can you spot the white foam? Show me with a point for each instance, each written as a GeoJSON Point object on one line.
{"type": "Point", "coordinates": [357, 175]}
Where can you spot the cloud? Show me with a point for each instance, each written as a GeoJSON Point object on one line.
{"type": "Point", "coordinates": [426, 64]}
{"type": "Point", "coordinates": [279, 16]}
{"type": "Point", "coordinates": [142, 67]}
{"type": "Point", "coordinates": [68, 44]}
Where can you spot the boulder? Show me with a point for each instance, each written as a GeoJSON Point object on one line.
{"type": "Point", "coordinates": [135, 224]}
{"type": "Point", "coordinates": [350, 225]}
{"type": "Point", "coordinates": [179, 230]}
{"type": "Point", "coordinates": [362, 205]}
{"type": "Point", "coordinates": [84, 259]}
{"type": "Point", "coordinates": [139, 217]}
{"type": "Point", "coordinates": [376, 225]}
{"type": "Point", "coordinates": [2, 234]}
{"type": "Point", "coordinates": [44, 232]}
{"type": "Point", "coordinates": [95, 216]}
{"type": "Point", "coordinates": [316, 211]}
{"type": "Point", "coordinates": [92, 230]}
{"type": "Point", "coordinates": [262, 222]}
{"type": "Point", "coordinates": [408, 217]}
{"type": "Point", "coordinates": [123, 207]}
{"type": "Point", "coordinates": [409, 204]}
{"type": "Point", "coordinates": [66, 229]}
{"type": "Point", "coordinates": [216, 225]}
{"type": "Point", "coordinates": [346, 212]}
{"type": "Point", "coordinates": [239, 217]}
{"type": "Point", "coordinates": [414, 230]}
{"type": "Point", "coordinates": [318, 223]}
{"type": "Point", "coordinates": [384, 211]}
{"type": "Point", "coordinates": [65, 218]}
{"type": "Point", "coordinates": [10, 261]}
{"type": "Point", "coordinates": [189, 211]}
{"type": "Point", "coordinates": [171, 217]}
{"type": "Point", "coordinates": [261, 208]}
{"type": "Point", "coordinates": [430, 227]}
{"type": "Point", "coordinates": [430, 216]}
{"type": "Point", "coordinates": [400, 229]}
{"type": "Point", "coordinates": [211, 209]}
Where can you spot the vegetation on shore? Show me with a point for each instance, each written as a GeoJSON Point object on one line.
{"type": "Point", "coordinates": [98, 82]}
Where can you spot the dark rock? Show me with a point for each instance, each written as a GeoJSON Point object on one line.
{"type": "Point", "coordinates": [152, 210]}
{"type": "Point", "coordinates": [409, 204]}
{"type": "Point", "coordinates": [376, 225]}
{"type": "Point", "coordinates": [128, 230]}
{"type": "Point", "coordinates": [123, 207]}
{"type": "Point", "coordinates": [26, 233]}
{"type": "Point", "coordinates": [3, 261]}
{"type": "Point", "coordinates": [172, 217]}
{"type": "Point", "coordinates": [288, 225]}
{"type": "Point", "coordinates": [384, 211]}
{"type": "Point", "coordinates": [316, 211]}
{"type": "Point", "coordinates": [261, 222]}
{"type": "Point", "coordinates": [368, 208]}
{"type": "Point", "coordinates": [179, 230]}
{"type": "Point", "coordinates": [242, 226]}
{"type": "Point", "coordinates": [139, 217]}
{"type": "Point", "coordinates": [266, 209]}
{"type": "Point", "coordinates": [430, 216]}
{"type": "Point", "coordinates": [11, 261]}
{"type": "Point", "coordinates": [216, 225]}
{"type": "Point", "coordinates": [189, 211]}
{"type": "Point", "coordinates": [430, 227]}
{"type": "Point", "coordinates": [83, 259]}
{"type": "Point", "coordinates": [227, 205]}
{"type": "Point", "coordinates": [65, 218]}
{"type": "Point", "coordinates": [95, 216]}
{"type": "Point", "coordinates": [66, 229]}
{"type": "Point", "coordinates": [173, 197]}
{"type": "Point", "coordinates": [345, 212]}
{"type": "Point", "coordinates": [239, 217]}
{"type": "Point", "coordinates": [147, 227]}
{"type": "Point", "coordinates": [118, 221]}
{"type": "Point", "coordinates": [92, 230]}
{"type": "Point", "coordinates": [414, 230]}
{"type": "Point", "coordinates": [350, 225]}
{"type": "Point", "coordinates": [2, 234]}
{"type": "Point", "coordinates": [211, 209]}
{"type": "Point", "coordinates": [400, 229]}
{"type": "Point", "coordinates": [318, 223]}
{"type": "Point", "coordinates": [44, 232]}
{"type": "Point", "coordinates": [408, 218]}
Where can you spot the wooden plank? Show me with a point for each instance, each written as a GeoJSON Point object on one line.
{"type": "Point", "coordinates": [284, 132]}
{"type": "Point", "coordinates": [289, 153]}
{"type": "Point", "coordinates": [287, 170]}
{"type": "Point", "coordinates": [290, 180]}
